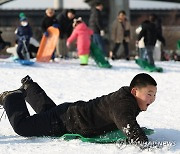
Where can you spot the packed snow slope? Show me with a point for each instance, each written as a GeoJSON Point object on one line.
{"type": "Point", "coordinates": [67, 81]}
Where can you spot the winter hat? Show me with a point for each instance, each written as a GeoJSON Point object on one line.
{"type": "Point", "coordinates": [76, 21]}
{"type": "Point", "coordinates": [22, 15]}
{"type": "Point", "coordinates": [23, 19]}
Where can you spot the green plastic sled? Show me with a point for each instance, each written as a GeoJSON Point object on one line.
{"type": "Point", "coordinates": [148, 67]}
{"type": "Point", "coordinates": [110, 137]}
{"type": "Point", "coordinates": [98, 56]}
{"type": "Point", "coordinates": [178, 44]}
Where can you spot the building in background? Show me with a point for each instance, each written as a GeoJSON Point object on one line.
{"type": "Point", "coordinates": [138, 11]}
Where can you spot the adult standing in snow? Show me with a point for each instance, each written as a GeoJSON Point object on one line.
{"type": "Point", "coordinates": [117, 110]}
{"type": "Point", "coordinates": [141, 46]}
{"type": "Point", "coordinates": [82, 34]}
{"type": "Point", "coordinates": [65, 21]}
{"type": "Point", "coordinates": [120, 35]}
{"type": "Point", "coordinates": [151, 34]}
{"type": "Point", "coordinates": [96, 24]}
{"type": "Point", "coordinates": [23, 35]}
{"type": "Point", "coordinates": [158, 46]}
{"type": "Point", "coordinates": [49, 20]}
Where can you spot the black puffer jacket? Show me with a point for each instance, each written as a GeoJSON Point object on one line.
{"type": "Point", "coordinates": [103, 114]}
{"type": "Point", "coordinates": [150, 33]}
{"type": "Point", "coordinates": [96, 21]}
{"type": "Point", "coordinates": [65, 24]}
{"type": "Point", "coordinates": [47, 22]}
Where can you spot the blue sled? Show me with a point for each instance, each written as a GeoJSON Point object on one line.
{"type": "Point", "coordinates": [25, 62]}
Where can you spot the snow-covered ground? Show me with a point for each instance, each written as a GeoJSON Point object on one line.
{"type": "Point", "coordinates": [67, 81]}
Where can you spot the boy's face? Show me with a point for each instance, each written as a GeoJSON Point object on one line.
{"type": "Point", "coordinates": [70, 15]}
{"type": "Point", "coordinates": [144, 96]}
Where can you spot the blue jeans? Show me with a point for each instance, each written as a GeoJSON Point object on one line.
{"type": "Point", "coordinates": [142, 53]}
{"type": "Point", "coordinates": [97, 39]}
{"type": "Point", "coordinates": [147, 54]}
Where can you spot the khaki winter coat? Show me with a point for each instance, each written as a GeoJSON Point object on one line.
{"type": "Point", "coordinates": [117, 33]}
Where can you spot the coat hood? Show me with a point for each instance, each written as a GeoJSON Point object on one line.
{"type": "Point", "coordinates": [81, 26]}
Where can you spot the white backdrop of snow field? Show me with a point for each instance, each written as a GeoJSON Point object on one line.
{"type": "Point", "coordinates": [67, 81]}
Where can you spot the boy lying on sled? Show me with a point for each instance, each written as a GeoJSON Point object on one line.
{"type": "Point", "coordinates": [103, 114]}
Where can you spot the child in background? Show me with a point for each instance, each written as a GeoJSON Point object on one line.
{"type": "Point", "coordinates": [82, 34]}
{"type": "Point", "coordinates": [23, 34]}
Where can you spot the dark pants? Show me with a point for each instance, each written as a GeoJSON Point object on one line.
{"type": "Point", "coordinates": [4, 44]}
{"type": "Point", "coordinates": [126, 49]}
{"type": "Point", "coordinates": [47, 121]}
{"type": "Point", "coordinates": [21, 49]}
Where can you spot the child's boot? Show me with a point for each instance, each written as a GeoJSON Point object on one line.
{"type": "Point", "coordinates": [26, 81]}
{"type": "Point", "coordinates": [6, 93]}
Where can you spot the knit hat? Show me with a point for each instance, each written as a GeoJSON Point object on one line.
{"type": "Point", "coordinates": [22, 16]}
{"type": "Point", "coordinates": [23, 19]}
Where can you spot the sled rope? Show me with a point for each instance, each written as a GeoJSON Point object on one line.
{"type": "Point", "coordinates": [2, 114]}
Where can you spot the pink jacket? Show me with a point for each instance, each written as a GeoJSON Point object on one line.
{"type": "Point", "coordinates": [83, 35]}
